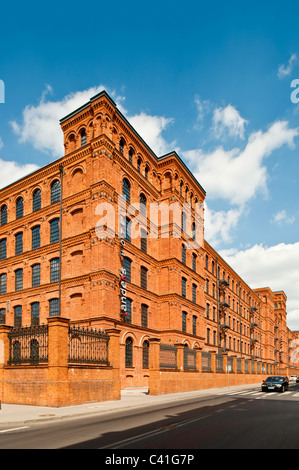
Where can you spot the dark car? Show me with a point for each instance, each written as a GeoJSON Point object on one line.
{"type": "Point", "coordinates": [276, 383]}
{"type": "Point", "coordinates": [297, 380]}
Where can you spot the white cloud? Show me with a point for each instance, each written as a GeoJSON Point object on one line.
{"type": "Point", "coordinates": [237, 175]}
{"type": "Point", "coordinates": [40, 126]}
{"type": "Point", "coordinates": [281, 218]}
{"type": "Point", "coordinates": [220, 224]}
{"type": "Point", "coordinates": [12, 171]}
{"type": "Point", "coordinates": [150, 129]}
{"type": "Point", "coordinates": [228, 119]}
{"type": "Point", "coordinates": [283, 70]}
{"type": "Point", "coordinates": [275, 267]}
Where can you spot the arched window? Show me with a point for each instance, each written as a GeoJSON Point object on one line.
{"type": "Point", "coordinates": [4, 215]}
{"type": "Point", "coordinates": [83, 137]}
{"type": "Point", "coordinates": [35, 314]}
{"type": "Point", "coordinates": [139, 164]}
{"type": "Point", "coordinates": [127, 266]}
{"type": "Point", "coordinates": [18, 316]}
{"type": "Point", "coordinates": [53, 307]}
{"type": "Point", "coordinates": [126, 192]}
{"type": "Point", "coordinates": [54, 270]}
{"type": "Point", "coordinates": [142, 204]}
{"type": "Point", "coordinates": [19, 208]}
{"type": "Point", "coordinates": [129, 352]}
{"type": "Point", "coordinates": [121, 145]}
{"type": "Point", "coordinates": [183, 221]}
{"type": "Point", "coordinates": [183, 254]}
{"type": "Point", "coordinates": [144, 315]}
{"type": "Point", "coordinates": [36, 200]}
{"type": "Point", "coordinates": [35, 237]}
{"type": "Point", "coordinates": [143, 277]}
{"type": "Point", "coordinates": [146, 170]}
{"type": "Point", "coordinates": [145, 355]}
{"type": "Point", "coordinates": [35, 275]}
{"type": "Point", "coordinates": [55, 191]}
{"type": "Point", "coordinates": [128, 317]}
{"type": "Point", "coordinates": [54, 231]}
{"type": "Point", "coordinates": [131, 153]}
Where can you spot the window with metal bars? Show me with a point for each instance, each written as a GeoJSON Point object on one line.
{"type": "Point", "coordinates": [19, 243]}
{"type": "Point", "coordinates": [2, 315]}
{"type": "Point", "coordinates": [54, 231]}
{"type": "Point", "coordinates": [145, 355]}
{"type": "Point", "coordinates": [55, 191]}
{"type": "Point", "coordinates": [36, 200]}
{"type": "Point", "coordinates": [35, 237]}
{"type": "Point", "coordinates": [53, 307]}
{"type": "Point", "coordinates": [184, 321]}
{"type": "Point", "coordinates": [3, 250]}
{"type": "Point", "coordinates": [144, 315]}
{"type": "Point", "coordinates": [19, 208]}
{"type": "Point", "coordinates": [129, 352]}
{"type": "Point", "coordinates": [83, 138]}
{"type": "Point", "coordinates": [18, 316]}
{"type": "Point", "coordinates": [54, 270]}
{"type": "Point", "coordinates": [35, 275]}
{"type": "Point", "coordinates": [19, 279]}
{"type": "Point", "coordinates": [143, 277]}
{"type": "Point", "coordinates": [128, 317]}
{"type": "Point", "coordinates": [126, 191]}
{"type": "Point", "coordinates": [127, 266]}
{"type": "Point", "coordinates": [3, 283]}
{"type": "Point", "coordinates": [184, 284]}
{"type": "Point", "coordinates": [4, 215]}
{"type": "Point", "coordinates": [35, 314]}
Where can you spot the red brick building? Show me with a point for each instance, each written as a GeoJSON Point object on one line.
{"type": "Point", "coordinates": [162, 283]}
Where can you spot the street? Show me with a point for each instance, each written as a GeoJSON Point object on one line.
{"type": "Point", "coordinates": [230, 419]}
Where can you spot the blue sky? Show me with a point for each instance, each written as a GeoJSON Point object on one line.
{"type": "Point", "coordinates": [212, 81]}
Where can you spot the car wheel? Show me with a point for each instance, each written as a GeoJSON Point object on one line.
{"type": "Point", "coordinates": [282, 389]}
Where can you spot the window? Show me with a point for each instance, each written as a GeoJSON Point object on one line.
{"type": "Point", "coordinates": [208, 311]}
{"type": "Point", "coordinates": [121, 145]}
{"type": "Point", "coordinates": [145, 355]}
{"type": "Point", "coordinates": [127, 266]}
{"type": "Point", "coordinates": [143, 277]}
{"type": "Point", "coordinates": [127, 235]}
{"type": "Point", "coordinates": [183, 254]}
{"type": "Point", "coordinates": [129, 352]}
{"type": "Point", "coordinates": [19, 208]}
{"type": "Point", "coordinates": [131, 155]}
{"type": "Point", "coordinates": [194, 258]}
{"type": "Point", "coordinates": [3, 215]}
{"type": "Point", "coordinates": [143, 241]}
{"type": "Point", "coordinates": [207, 262]}
{"type": "Point", "coordinates": [35, 237]}
{"type": "Point", "coordinates": [184, 283]}
{"type": "Point", "coordinates": [126, 191]}
{"type": "Point", "coordinates": [54, 231]}
{"type": "Point", "coordinates": [128, 317]}
{"type": "Point", "coordinates": [146, 172]}
{"type": "Point", "coordinates": [194, 293]}
{"type": "Point", "coordinates": [19, 279]}
{"type": "Point", "coordinates": [184, 321]}
{"type": "Point", "coordinates": [2, 316]}
{"type": "Point", "coordinates": [208, 335]}
{"type": "Point", "coordinates": [53, 307]}
{"type": "Point", "coordinates": [3, 283]}
{"type": "Point", "coordinates": [55, 191]}
{"type": "Point", "coordinates": [138, 164]}
{"type": "Point", "coordinates": [194, 324]}
{"type": "Point", "coordinates": [142, 204]}
{"type": "Point", "coordinates": [35, 275]}
{"type": "Point", "coordinates": [183, 222]}
{"type": "Point", "coordinates": [194, 231]}
{"type": "Point", "coordinates": [36, 200]}
{"type": "Point", "coordinates": [83, 137]}
{"type": "Point", "coordinates": [35, 314]}
{"type": "Point", "coordinates": [54, 270]}
{"type": "Point", "coordinates": [18, 316]}
{"type": "Point", "coordinates": [144, 315]}
{"type": "Point", "coordinates": [207, 286]}
{"type": "Point", "coordinates": [3, 251]}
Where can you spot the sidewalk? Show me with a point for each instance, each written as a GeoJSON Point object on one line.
{"type": "Point", "coordinates": [130, 398]}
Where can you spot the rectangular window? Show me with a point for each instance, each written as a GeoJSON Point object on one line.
{"type": "Point", "coordinates": [54, 270]}
{"type": "Point", "coordinates": [208, 311]}
{"type": "Point", "coordinates": [19, 243]}
{"type": "Point", "coordinates": [54, 231]}
{"type": "Point", "coordinates": [2, 315]}
{"type": "Point", "coordinates": [53, 307]}
{"type": "Point", "coordinates": [194, 324]}
{"type": "Point", "coordinates": [143, 277]}
{"type": "Point", "coordinates": [35, 314]}
{"type": "Point", "coordinates": [18, 279]}
{"type": "Point", "coordinates": [184, 283]}
{"type": "Point", "coordinates": [3, 251]}
{"type": "Point", "coordinates": [194, 262]}
{"type": "Point", "coordinates": [3, 284]}
{"type": "Point", "coordinates": [127, 266]}
{"type": "Point", "coordinates": [144, 315]}
{"type": "Point", "coordinates": [18, 316]}
{"type": "Point", "coordinates": [184, 321]}
{"type": "Point", "coordinates": [35, 232]}
{"type": "Point", "coordinates": [35, 275]}
{"type": "Point", "coordinates": [194, 293]}
{"type": "Point", "coordinates": [128, 317]}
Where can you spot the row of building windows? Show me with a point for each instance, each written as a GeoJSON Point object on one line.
{"type": "Point", "coordinates": [35, 313]}
{"type": "Point", "coordinates": [129, 356]}
{"type": "Point", "coordinates": [230, 343]}
{"type": "Point", "coordinates": [35, 239]}
{"type": "Point", "coordinates": [35, 276]}
{"type": "Point", "coordinates": [36, 202]}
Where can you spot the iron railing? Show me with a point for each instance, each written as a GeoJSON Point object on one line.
{"type": "Point", "coordinates": [28, 345]}
{"type": "Point", "coordinates": [189, 359]}
{"type": "Point", "coordinates": [206, 363]}
{"type": "Point", "coordinates": [168, 356]}
{"type": "Point", "coordinates": [87, 346]}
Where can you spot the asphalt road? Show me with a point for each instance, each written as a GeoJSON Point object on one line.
{"type": "Point", "coordinates": [245, 420]}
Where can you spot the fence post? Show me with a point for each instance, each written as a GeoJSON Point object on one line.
{"type": "Point", "coordinates": [180, 356]}
{"type": "Point", "coordinates": [213, 361]}
{"type": "Point", "coordinates": [4, 357]}
{"type": "Point", "coordinates": [198, 358]}
{"type": "Point", "coordinates": [114, 360]}
{"type": "Point", "coordinates": [58, 390]}
{"type": "Point", "coordinates": [154, 366]}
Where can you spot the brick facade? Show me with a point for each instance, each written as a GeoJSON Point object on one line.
{"type": "Point", "coordinates": [173, 292]}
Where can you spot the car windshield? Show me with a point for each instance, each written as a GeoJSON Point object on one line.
{"type": "Point", "coordinates": [274, 379]}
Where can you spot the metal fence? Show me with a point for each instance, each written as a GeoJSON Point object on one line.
{"type": "Point", "coordinates": [219, 363]}
{"type": "Point", "coordinates": [28, 345]}
{"type": "Point", "coordinates": [87, 346]}
{"type": "Point", "coordinates": [189, 359]}
{"type": "Point", "coordinates": [205, 361]}
{"type": "Point", "coordinates": [168, 356]}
